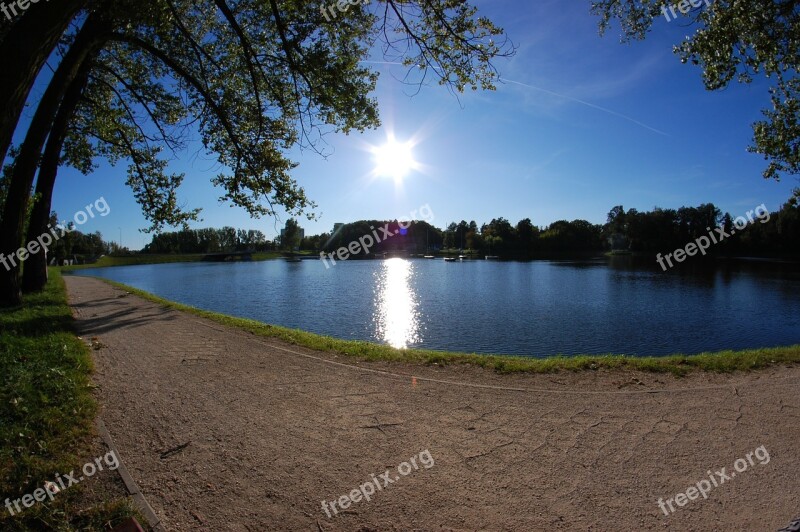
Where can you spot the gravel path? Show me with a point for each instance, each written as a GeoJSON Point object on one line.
{"type": "Point", "coordinates": [274, 429]}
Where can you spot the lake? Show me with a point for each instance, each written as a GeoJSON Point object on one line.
{"type": "Point", "coordinates": [542, 308]}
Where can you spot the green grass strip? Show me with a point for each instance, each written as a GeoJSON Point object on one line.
{"type": "Point", "coordinates": [720, 362]}
{"type": "Point", "coordinates": [47, 412]}
{"type": "Point", "coordinates": [108, 261]}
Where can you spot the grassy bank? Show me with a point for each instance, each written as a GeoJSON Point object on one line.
{"type": "Point", "coordinates": [724, 361]}
{"type": "Point", "coordinates": [46, 414]}
{"type": "Point", "coordinates": [134, 260]}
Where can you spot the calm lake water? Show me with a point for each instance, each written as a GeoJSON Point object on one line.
{"type": "Point", "coordinates": [523, 308]}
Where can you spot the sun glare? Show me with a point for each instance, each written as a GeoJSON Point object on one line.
{"type": "Point", "coordinates": [394, 159]}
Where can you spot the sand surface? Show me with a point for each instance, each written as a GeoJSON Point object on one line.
{"type": "Point", "coordinates": [274, 429]}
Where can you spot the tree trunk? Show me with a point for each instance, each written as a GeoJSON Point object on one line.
{"type": "Point", "coordinates": [89, 39]}
{"type": "Point", "coordinates": [23, 50]}
{"type": "Point", "coordinates": [34, 275]}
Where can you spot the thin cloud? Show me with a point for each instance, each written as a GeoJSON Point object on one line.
{"type": "Point", "coordinates": [550, 160]}
{"type": "Point", "coordinates": [587, 104]}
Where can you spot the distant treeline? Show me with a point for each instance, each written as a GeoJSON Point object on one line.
{"type": "Point", "coordinates": [659, 230]}
{"type": "Point", "coordinates": [656, 231]}
{"type": "Point", "coordinates": [411, 237]}
{"type": "Point", "coordinates": [498, 237]}
{"type": "Point", "coordinates": [208, 241]}
{"type": "Point", "coordinates": [766, 233]}
{"type": "Point", "coordinates": [77, 246]}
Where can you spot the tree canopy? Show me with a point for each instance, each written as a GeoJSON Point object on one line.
{"type": "Point", "coordinates": [253, 78]}
{"type": "Point", "coordinates": [734, 40]}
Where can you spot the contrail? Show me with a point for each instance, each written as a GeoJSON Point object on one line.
{"type": "Point", "coordinates": [382, 62]}
{"type": "Point", "coordinates": [593, 106]}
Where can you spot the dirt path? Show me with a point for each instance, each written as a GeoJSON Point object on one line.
{"type": "Point", "coordinates": [273, 430]}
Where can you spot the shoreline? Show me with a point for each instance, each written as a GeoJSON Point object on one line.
{"type": "Point", "coordinates": [109, 261]}
{"type": "Point", "coordinates": [267, 431]}
{"type": "Point", "coordinates": [724, 361]}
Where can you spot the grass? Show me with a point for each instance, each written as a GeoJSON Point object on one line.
{"type": "Point", "coordinates": [47, 413]}
{"type": "Point", "coordinates": [679, 365]}
{"type": "Point", "coordinates": [107, 261]}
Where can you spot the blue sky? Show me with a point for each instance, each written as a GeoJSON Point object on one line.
{"type": "Point", "coordinates": [581, 124]}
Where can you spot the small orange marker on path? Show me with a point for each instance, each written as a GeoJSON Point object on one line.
{"type": "Point", "coordinates": [413, 381]}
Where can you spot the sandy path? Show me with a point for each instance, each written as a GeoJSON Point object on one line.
{"type": "Point", "coordinates": [274, 429]}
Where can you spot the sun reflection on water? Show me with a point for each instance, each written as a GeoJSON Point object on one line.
{"type": "Point", "coordinates": [397, 319]}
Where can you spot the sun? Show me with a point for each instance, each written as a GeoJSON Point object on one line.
{"type": "Point", "coordinates": [394, 159]}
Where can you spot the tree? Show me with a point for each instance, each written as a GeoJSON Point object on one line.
{"type": "Point", "coordinates": [616, 229]}
{"type": "Point", "coordinates": [50, 122]}
{"type": "Point", "coordinates": [255, 78]}
{"type": "Point", "coordinates": [473, 238]}
{"type": "Point", "coordinates": [290, 235]}
{"type": "Point", "coordinates": [616, 220]}
{"type": "Point", "coordinates": [98, 117]}
{"type": "Point", "coordinates": [461, 234]}
{"type": "Point", "coordinates": [24, 47]}
{"type": "Point", "coordinates": [499, 237]}
{"type": "Point", "coordinates": [450, 236]}
{"type": "Point", "coordinates": [527, 235]}
{"type": "Point", "coordinates": [735, 40]}
{"type": "Point", "coordinates": [73, 68]}
{"type": "Point", "coordinates": [4, 180]}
